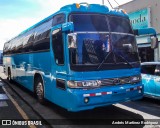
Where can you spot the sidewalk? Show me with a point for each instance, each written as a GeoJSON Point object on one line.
{"type": "Point", "coordinates": [8, 110]}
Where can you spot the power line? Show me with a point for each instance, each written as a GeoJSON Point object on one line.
{"type": "Point", "coordinates": [116, 2]}
{"type": "Point", "coordinates": [110, 4]}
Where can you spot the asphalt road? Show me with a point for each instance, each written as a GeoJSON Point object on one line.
{"type": "Point", "coordinates": [57, 117]}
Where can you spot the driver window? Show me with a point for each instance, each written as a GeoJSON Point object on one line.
{"type": "Point", "coordinates": [58, 47]}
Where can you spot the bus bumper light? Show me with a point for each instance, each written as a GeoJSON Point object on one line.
{"type": "Point", "coordinates": [86, 100]}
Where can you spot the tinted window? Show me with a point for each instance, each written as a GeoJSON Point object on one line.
{"type": "Point", "coordinates": [5, 49]}
{"type": "Point", "coordinates": [118, 24]}
{"type": "Point", "coordinates": [43, 27]}
{"type": "Point", "coordinates": [28, 47]}
{"type": "Point", "coordinates": [42, 42]}
{"type": "Point", "coordinates": [89, 22]}
{"type": "Point", "coordinates": [19, 49]}
{"type": "Point", "coordinates": [148, 69]}
{"type": "Point", "coordinates": [35, 39]}
{"type": "Point", "coordinates": [58, 48]}
{"type": "Point", "coordinates": [58, 19]}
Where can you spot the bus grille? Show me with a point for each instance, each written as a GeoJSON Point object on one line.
{"type": "Point", "coordinates": [115, 81]}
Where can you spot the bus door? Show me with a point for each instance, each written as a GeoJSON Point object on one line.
{"type": "Point", "coordinates": [58, 61]}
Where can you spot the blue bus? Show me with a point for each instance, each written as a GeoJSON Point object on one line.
{"type": "Point", "coordinates": [82, 57]}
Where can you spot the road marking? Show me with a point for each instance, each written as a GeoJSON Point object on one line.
{"type": "Point", "coordinates": [23, 114]}
{"type": "Point", "coordinates": [3, 97]}
{"type": "Point", "coordinates": [1, 84]}
{"type": "Point", "coordinates": [145, 115]}
{"type": "Point", "coordinates": [3, 104]}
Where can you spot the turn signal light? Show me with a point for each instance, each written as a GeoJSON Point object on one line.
{"type": "Point", "coordinates": [77, 5]}
{"type": "Point", "coordinates": [124, 11]}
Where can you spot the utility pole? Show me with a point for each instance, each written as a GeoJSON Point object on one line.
{"type": "Point", "coordinates": [102, 2]}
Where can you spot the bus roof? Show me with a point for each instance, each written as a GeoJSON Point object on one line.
{"type": "Point", "coordinates": [90, 8]}
{"type": "Point", "coordinates": [93, 8]}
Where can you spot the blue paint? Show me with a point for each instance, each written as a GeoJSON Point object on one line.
{"type": "Point", "coordinates": [145, 31]}
{"type": "Point", "coordinates": [151, 85]}
{"type": "Point", "coordinates": [151, 79]}
{"type": "Point", "coordinates": [25, 66]}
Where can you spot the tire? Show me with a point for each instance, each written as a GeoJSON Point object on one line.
{"type": "Point", "coordinates": [9, 76]}
{"type": "Point", "coordinates": [39, 90]}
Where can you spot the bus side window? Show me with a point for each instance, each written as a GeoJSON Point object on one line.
{"type": "Point", "coordinates": [58, 19]}
{"type": "Point", "coordinates": [58, 48]}
{"type": "Point", "coordinates": [148, 69]}
{"type": "Point", "coordinates": [42, 42]}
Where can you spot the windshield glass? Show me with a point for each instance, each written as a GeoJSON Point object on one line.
{"type": "Point", "coordinates": [89, 22]}
{"type": "Point", "coordinates": [124, 45]}
{"type": "Point", "coordinates": [103, 42]}
{"type": "Point", "coordinates": [91, 48]}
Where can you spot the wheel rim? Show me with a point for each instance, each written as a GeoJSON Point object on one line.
{"type": "Point", "coordinates": [39, 91]}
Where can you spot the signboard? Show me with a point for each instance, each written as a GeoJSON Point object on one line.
{"type": "Point", "coordinates": [140, 18]}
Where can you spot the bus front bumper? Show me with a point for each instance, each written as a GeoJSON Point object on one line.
{"type": "Point", "coordinates": [83, 99]}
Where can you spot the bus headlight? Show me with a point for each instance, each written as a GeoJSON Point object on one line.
{"type": "Point", "coordinates": [83, 84]}
{"type": "Point", "coordinates": [135, 79]}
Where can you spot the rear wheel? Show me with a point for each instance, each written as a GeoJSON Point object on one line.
{"type": "Point", "coordinates": [39, 90]}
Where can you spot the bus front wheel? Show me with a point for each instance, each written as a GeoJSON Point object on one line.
{"type": "Point", "coordinates": [39, 90]}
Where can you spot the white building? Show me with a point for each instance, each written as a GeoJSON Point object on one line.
{"type": "Point", "coordinates": [145, 13]}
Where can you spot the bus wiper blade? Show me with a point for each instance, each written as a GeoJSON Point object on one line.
{"type": "Point", "coordinates": [104, 60]}
{"type": "Point", "coordinates": [125, 60]}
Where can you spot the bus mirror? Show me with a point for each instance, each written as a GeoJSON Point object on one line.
{"type": "Point", "coordinates": [128, 47]}
{"type": "Point", "coordinates": [154, 42]}
{"type": "Point", "coordinates": [67, 27]}
{"type": "Point", "coordinates": [72, 40]}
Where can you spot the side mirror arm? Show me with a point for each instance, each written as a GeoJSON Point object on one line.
{"type": "Point", "coordinates": [68, 26]}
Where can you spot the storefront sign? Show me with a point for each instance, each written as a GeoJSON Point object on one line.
{"type": "Point", "coordinates": [140, 19]}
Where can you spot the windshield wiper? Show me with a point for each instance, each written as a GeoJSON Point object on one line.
{"type": "Point", "coordinates": [114, 60]}
{"type": "Point", "coordinates": [125, 60]}
{"type": "Point", "coordinates": [104, 59]}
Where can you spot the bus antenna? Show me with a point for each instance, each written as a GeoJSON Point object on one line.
{"type": "Point", "coordinates": [116, 2]}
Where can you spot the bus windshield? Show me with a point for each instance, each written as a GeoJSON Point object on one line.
{"type": "Point", "coordinates": [100, 23]}
{"type": "Point", "coordinates": [103, 42]}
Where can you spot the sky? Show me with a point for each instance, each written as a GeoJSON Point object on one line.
{"type": "Point", "coordinates": [18, 15]}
